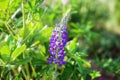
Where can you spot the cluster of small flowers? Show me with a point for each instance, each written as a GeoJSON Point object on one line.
{"type": "Point", "coordinates": [58, 41]}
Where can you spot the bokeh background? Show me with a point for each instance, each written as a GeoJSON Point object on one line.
{"type": "Point", "coordinates": [94, 25]}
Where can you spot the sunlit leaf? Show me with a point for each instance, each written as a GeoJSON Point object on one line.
{"type": "Point", "coordinates": [17, 52]}
{"type": "Point", "coordinates": [95, 74]}
{"type": "Point", "coordinates": [71, 46]}
{"type": "Point", "coordinates": [4, 4]}
{"type": "Point", "coordinates": [5, 52]}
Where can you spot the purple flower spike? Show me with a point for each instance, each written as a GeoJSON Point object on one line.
{"type": "Point", "coordinates": [58, 41]}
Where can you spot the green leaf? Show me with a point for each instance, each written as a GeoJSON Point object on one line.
{"type": "Point", "coordinates": [42, 48]}
{"type": "Point", "coordinates": [39, 62]}
{"type": "Point", "coordinates": [67, 73]}
{"type": "Point", "coordinates": [17, 52]}
{"type": "Point", "coordinates": [80, 60]}
{"type": "Point", "coordinates": [3, 4]}
{"type": "Point", "coordinates": [9, 76]}
{"type": "Point", "coordinates": [5, 50]}
{"type": "Point", "coordinates": [21, 61]}
{"type": "Point", "coordinates": [95, 74]}
{"type": "Point", "coordinates": [5, 53]}
{"type": "Point", "coordinates": [45, 34]}
{"type": "Point", "coordinates": [72, 46]}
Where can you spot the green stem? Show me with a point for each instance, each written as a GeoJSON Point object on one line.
{"type": "Point", "coordinates": [55, 72]}
{"type": "Point", "coordinates": [24, 74]}
{"type": "Point", "coordinates": [71, 75]}
{"type": "Point", "coordinates": [27, 71]}
{"type": "Point", "coordinates": [23, 14]}
{"type": "Point", "coordinates": [33, 70]}
{"type": "Point", "coordinates": [24, 29]}
{"type": "Point", "coordinates": [9, 29]}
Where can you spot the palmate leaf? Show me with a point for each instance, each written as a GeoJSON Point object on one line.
{"type": "Point", "coordinates": [95, 74]}
{"type": "Point", "coordinates": [17, 52]}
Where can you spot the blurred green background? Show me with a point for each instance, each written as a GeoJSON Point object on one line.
{"type": "Point", "coordinates": [93, 29]}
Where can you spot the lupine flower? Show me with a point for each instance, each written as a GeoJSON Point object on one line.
{"type": "Point", "coordinates": [58, 41]}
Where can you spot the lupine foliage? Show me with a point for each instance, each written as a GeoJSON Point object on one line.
{"type": "Point", "coordinates": [78, 47]}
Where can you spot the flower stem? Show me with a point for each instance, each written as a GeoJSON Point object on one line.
{"type": "Point", "coordinates": [23, 14]}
